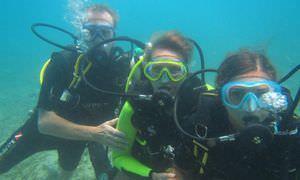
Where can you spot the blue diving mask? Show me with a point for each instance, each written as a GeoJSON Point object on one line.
{"type": "Point", "coordinates": [93, 31]}
{"type": "Point", "coordinates": [251, 96]}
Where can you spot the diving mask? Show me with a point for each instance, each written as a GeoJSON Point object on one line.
{"type": "Point", "coordinates": [92, 31]}
{"type": "Point", "coordinates": [253, 95]}
{"type": "Point", "coordinates": [175, 70]}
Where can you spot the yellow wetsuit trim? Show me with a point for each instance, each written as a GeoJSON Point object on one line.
{"type": "Point", "coordinates": [76, 77]}
{"type": "Point", "coordinates": [205, 154]}
{"type": "Point", "coordinates": [132, 72]}
{"type": "Point", "coordinates": [43, 70]}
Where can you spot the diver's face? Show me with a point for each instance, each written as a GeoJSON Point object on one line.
{"type": "Point", "coordinates": [96, 17]}
{"type": "Point", "coordinates": [98, 26]}
{"type": "Point", "coordinates": [164, 82]}
{"type": "Point", "coordinates": [240, 118]}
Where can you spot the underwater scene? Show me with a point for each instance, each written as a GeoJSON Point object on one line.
{"type": "Point", "coordinates": [32, 144]}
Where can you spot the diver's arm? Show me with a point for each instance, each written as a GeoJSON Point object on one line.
{"type": "Point", "coordinates": [50, 123]}
{"type": "Point", "coordinates": [123, 160]}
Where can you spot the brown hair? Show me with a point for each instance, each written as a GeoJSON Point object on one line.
{"type": "Point", "coordinates": [104, 8]}
{"type": "Point", "coordinates": [243, 62]}
{"type": "Point", "coordinates": [171, 40]}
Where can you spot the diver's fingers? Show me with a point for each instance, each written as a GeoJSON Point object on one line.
{"type": "Point", "coordinates": [117, 139]}
{"type": "Point", "coordinates": [106, 129]}
{"type": "Point", "coordinates": [117, 133]}
{"type": "Point", "coordinates": [117, 144]}
{"type": "Point", "coordinates": [112, 122]}
{"type": "Point", "coordinates": [170, 176]}
{"type": "Point", "coordinates": [163, 176]}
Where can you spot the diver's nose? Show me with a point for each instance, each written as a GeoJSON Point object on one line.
{"type": "Point", "coordinates": [250, 104]}
{"type": "Point", "coordinates": [164, 78]}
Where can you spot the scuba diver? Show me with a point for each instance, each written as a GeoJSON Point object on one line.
{"type": "Point", "coordinates": [70, 115]}
{"type": "Point", "coordinates": [245, 129]}
{"type": "Point", "coordinates": [148, 124]}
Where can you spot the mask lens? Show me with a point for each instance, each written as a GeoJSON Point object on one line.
{"type": "Point", "coordinates": [235, 93]}
{"type": "Point", "coordinates": [262, 89]}
{"type": "Point", "coordinates": [107, 33]}
{"type": "Point", "coordinates": [154, 71]}
{"type": "Point", "coordinates": [176, 71]}
{"type": "Point", "coordinates": [99, 31]}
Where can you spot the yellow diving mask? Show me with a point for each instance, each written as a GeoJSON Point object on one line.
{"type": "Point", "coordinates": [175, 69]}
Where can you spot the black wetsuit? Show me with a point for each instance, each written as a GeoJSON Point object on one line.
{"type": "Point", "coordinates": [233, 160]}
{"type": "Point", "coordinates": [156, 128]}
{"type": "Point", "coordinates": [86, 107]}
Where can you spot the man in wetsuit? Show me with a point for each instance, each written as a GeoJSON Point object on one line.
{"type": "Point", "coordinates": [70, 115]}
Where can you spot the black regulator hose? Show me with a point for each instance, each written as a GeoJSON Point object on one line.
{"type": "Point", "coordinates": [75, 38]}
{"type": "Point", "coordinates": [121, 38]}
{"type": "Point", "coordinates": [177, 97]}
{"type": "Point", "coordinates": [94, 48]}
{"type": "Point", "coordinates": [297, 97]}
{"type": "Point", "coordinates": [232, 137]}
{"type": "Point", "coordinates": [294, 105]}
{"type": "Point", "coordinates": [125, 95]}
{"type": "Point", "coordinates": [91, 50]}
{"type": "Point", "coordinates": [289, 74]}
{"type": "Point", "coordinates": [202, 61]}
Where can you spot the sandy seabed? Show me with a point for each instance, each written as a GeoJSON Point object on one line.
{"type": "Point", "coordinates": [18, 96]}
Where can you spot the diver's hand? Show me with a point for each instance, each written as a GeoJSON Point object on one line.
{"type": "Point", "coordinates": [163, 176]}
{"type": "Point", "coordinates": [107, 135]}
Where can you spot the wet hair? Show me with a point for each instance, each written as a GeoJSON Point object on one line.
{"type": "Point", "coordinates": [171, 40]}
{"type": "Point", "coordinates": [243, 62]}
{"type": "Point", "coordinates": [104, 8]}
